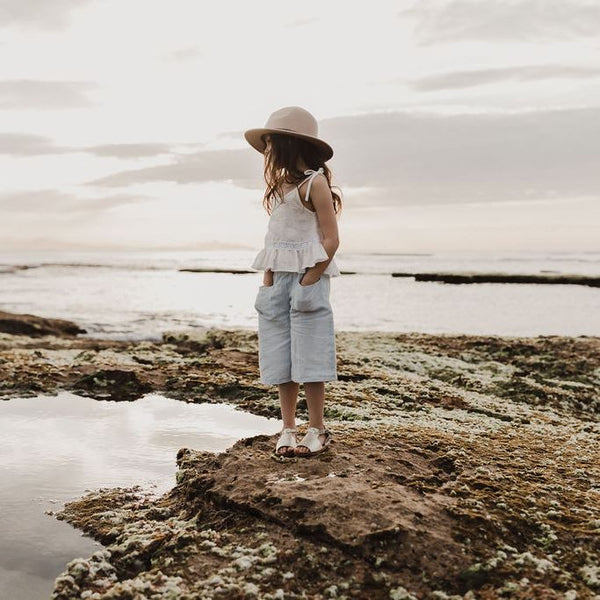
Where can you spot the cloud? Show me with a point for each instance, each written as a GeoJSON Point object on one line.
{"type": "Point", "coordinates": [464, 79]}
{"type": "Point", "coordinates": [302, 21]}
{"type": "Point", "coordinates": [26, 144]}
{"type": "Point", "coordinates": [38, 14]}
{"type": "Point", "coordinates": [19, 94]}
{"type": "Point", "coordinates": [503, 20]}
{"type": "Point", "coordinates": [188, 53]}
{"type": "Point", "coordinates": [421, 158]}
{"type": "Point", "coordinates": [49, 201]}
{"type": "Point", "coordinates": [235, 166]}
{"type": "Point", "coordinates": [128, 150]}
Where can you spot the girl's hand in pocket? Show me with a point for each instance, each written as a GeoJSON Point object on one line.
{"type": "Point", "coordinates": [309, 278]}
{"type": "Point", "coordinates": [268, 277]}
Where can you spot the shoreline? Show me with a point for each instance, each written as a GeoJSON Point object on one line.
{"type": "Point", "coordinates": [549, 277]}
{"type": "Point", "coordinates": [462, 466]}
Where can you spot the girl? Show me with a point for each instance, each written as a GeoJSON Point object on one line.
{"type": "Point", "coordinates": [295, 320]}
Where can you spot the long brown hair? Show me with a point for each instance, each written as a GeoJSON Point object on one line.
{"type": "Point", "coordinates": [280, 166]}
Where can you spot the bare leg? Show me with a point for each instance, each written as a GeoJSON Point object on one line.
{"type": "Point", "coordinates": [288, 397]}
{"type": "Point", "coordinates": [315, 399]}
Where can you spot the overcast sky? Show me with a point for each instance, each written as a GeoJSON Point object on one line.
{"type": "Point", "coordinates": [456, 125]}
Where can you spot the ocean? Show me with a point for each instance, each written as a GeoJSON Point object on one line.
{"type": "Point", "coordinates": [139, 295]}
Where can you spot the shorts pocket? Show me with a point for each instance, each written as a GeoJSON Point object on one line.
{"type": "Point", "coordinates": [308, 298]}
{"type": "Point", "coordinates": [264, 302]}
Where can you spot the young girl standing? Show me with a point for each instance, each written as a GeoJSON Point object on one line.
{"type": "Point", "coordinates": [295, 321]}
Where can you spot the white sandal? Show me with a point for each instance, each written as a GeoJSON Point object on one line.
{"type": "Point", "coordinates": [287, 437]}
{"type": "Point", "coordinates": [313, 443]}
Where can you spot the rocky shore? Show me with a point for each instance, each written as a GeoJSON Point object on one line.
{"type": "Point", "coordinates": [462, 467]}
{"type": "Point", "coordinates": [541, 278]}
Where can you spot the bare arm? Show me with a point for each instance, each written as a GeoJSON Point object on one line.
{"type": "Point", "coordinates": [322, 200]}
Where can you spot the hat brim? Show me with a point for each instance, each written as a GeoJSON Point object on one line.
{"type": "Point", "coordinates": [254, 138]}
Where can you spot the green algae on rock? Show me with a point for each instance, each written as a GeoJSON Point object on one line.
{"type": "Point", "coordinates": [461, 467]}
{"type": "Point", "coordinates": [388, 509]}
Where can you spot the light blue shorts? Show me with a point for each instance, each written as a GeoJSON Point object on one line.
{"type": "Point", "coordinates": [296, 338]}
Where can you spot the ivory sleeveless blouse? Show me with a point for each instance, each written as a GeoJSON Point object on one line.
{"type": "Point", "coordinates": [294, 240]}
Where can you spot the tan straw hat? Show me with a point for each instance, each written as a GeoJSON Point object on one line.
{"type": "Point", "coordinates": [291, 120]}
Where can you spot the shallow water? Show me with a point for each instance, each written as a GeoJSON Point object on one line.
{"type": "Point", "coordinates": [124, 303]}
{"type": "Point", "coordinates": [139, 295]}
{"type": "Point", "coordinates": [55, 448]}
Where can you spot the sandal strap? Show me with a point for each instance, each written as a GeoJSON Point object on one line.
{"type": "Point", "coordinates": [287, 437]}
{"type": "Point", "coordinates": [311, 439]}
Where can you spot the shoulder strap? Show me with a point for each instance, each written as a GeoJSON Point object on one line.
{"type": "Point", "coordinates": [311, 175]}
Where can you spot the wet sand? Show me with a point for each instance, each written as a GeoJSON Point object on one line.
{"type": "Point", "coordinates": [461, 467]}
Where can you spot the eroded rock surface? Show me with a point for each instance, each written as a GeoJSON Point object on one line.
{"type": "Point", "coordinates": [461, 467]}
{"type": "Point", "coordinates": [31, 325]}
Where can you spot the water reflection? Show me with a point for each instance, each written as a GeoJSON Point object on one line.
{"type": "Point", "coordinates": [54, 448]}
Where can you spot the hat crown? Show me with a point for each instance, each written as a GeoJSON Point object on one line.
{"type": "Point", "coordinates": [294, 119]}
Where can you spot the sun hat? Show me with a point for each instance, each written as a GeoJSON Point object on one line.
{"type": "Point", "coordinates": [291, 120]}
